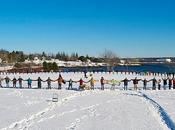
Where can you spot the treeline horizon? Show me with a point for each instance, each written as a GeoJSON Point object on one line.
{"type": "Point", "coordinates": [21, 56]}
{"type": "Point", "coordinates": [107, 56]}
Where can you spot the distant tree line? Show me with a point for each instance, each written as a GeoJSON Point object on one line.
{"type": "Point", "coordinates": [20, 56]}
{"type": "Point", "coordinates": [12, 57]}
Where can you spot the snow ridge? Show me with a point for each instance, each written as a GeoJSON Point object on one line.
{"type": "Point", "coordinates": [165, 118]}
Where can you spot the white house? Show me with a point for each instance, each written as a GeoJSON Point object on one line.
{"type": "Point", "coordinates": [164, 60]}
{"type": "Point", "coordinates": [27, 60]}
{"type": "Point", "coordinates": [37, 60]}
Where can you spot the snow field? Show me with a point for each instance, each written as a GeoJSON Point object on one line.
{"type": "Point", "coordinates": [33, 109]}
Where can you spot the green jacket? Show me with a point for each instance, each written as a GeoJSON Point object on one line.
{"type": "Point", "coordinates": [114, 82]}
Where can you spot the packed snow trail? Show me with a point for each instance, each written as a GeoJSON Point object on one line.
{"type": "Point", "coordinates": [165, 99]}
{"type": "Point", "coordinates": [164, 117]}
{"type": "Point", "coordinates": [98, 110]}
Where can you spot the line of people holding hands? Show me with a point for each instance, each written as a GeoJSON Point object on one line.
{"type": "Point", "coordinates": [156, 84]}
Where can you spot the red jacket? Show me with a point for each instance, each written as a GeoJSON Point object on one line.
{"type": "Point", "coordinates": [173, 82]}
{"type": "Point", "coordinates": [81, 82]}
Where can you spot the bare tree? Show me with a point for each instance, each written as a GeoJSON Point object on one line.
{"type": "Point", "coordinates": [110, 58]}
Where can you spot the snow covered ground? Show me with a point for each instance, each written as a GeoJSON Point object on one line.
{"type": "Point", "coordinates": [33, 109]}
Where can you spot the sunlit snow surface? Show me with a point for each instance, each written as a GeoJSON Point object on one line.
{"type": "Point", "coordinates": [33, 109]}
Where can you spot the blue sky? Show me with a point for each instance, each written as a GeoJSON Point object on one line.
{"type": "Point", "coordinates": [131, 28]}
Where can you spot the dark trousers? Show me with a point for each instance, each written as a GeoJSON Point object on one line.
{"type": "Point", "coordinates": [159, 87]}
{"type": "Point", "coordinates": [20, 85]}
{"type": "Point", "coordinates": [29, 86]}
{"type": "Point", "coordinates": [125, 87]}
{"type": "Point", "coordinates": [164, 87]}
{"type": "Point", "coordinates": [7, 84]}
{"type": "Point", "coordinates": [59, 86]}
{"type": "Point", "coordinates": [39, 85]}
{"type": "Point", "coordinates": [102, 87]}
{"type": "Point", "coordinates": [170, 86]}
{"type": "Point", "coordinates": [49, 86]}
{"type": "Point", "coordinates": [154, 88]}
{"type": "Point", "coordinates": [14, 85]}
{"type": "Point", "coordinates": [0, 84]}
{"type": "Point", "coordinates": [70, 87]}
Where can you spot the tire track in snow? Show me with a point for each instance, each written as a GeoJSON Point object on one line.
{"type": "Point", "coordinates": [157, 110]}
{"type": "Point", "coordinates": [165, 118]}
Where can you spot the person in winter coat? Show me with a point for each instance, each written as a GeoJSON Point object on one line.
{"type": "Point", "coordinates": [164, 83]}
{"type": "Point", "coordinates": [60, 81]}
{"type": "Point", "coordinates": [154, 82]}
{"type": "Point", "coordinates": [135, 82]}
{"type": "Point", "coordinates": [113, 83]}
{"type": "Point", "coordinates": [173, 83]}
{"type": "Point", "coordinates": [39, 80]}
{"type": "Point", "coordinates": [92, 83]}
{"type": "Point", "coordinates": [29, 82]}
{"type": "Point", "coordinates": [102, 81]}
{"type": "Point", "coordinates": [1, 79]}
{"type": "Point", "coordinates": [20, 82]}
{"type": "Point", "coordinates": [170, 82]}
{"type": "Point", "coordinates": [125, 81]}
{"type": "Point", "coordinates": [7, 81]}
{"type": "Point", "coordinates": [145, 83]}
{"type": "Point", "coordinates": [70, 84]}
{"type": "Point", "coordinates": [81, 84]}
{"type": "Point", "coordinates": [159, 83]}
{"type": "Point", "coordinates": [49, 83]}
{"type": "Point", "coordinates": [14, 82]}
{"type": "Point", "coordinates": [85, 74]}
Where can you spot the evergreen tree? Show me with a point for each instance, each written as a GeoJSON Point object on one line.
{"type": "Point", "coordinates": [45, 66]}
{"type": "Point", "coordinates": [82, 58]}
{"type": "Point", "coordinates": [44, 54]}
{"type": "Point", "coordinates": [55, 67]}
